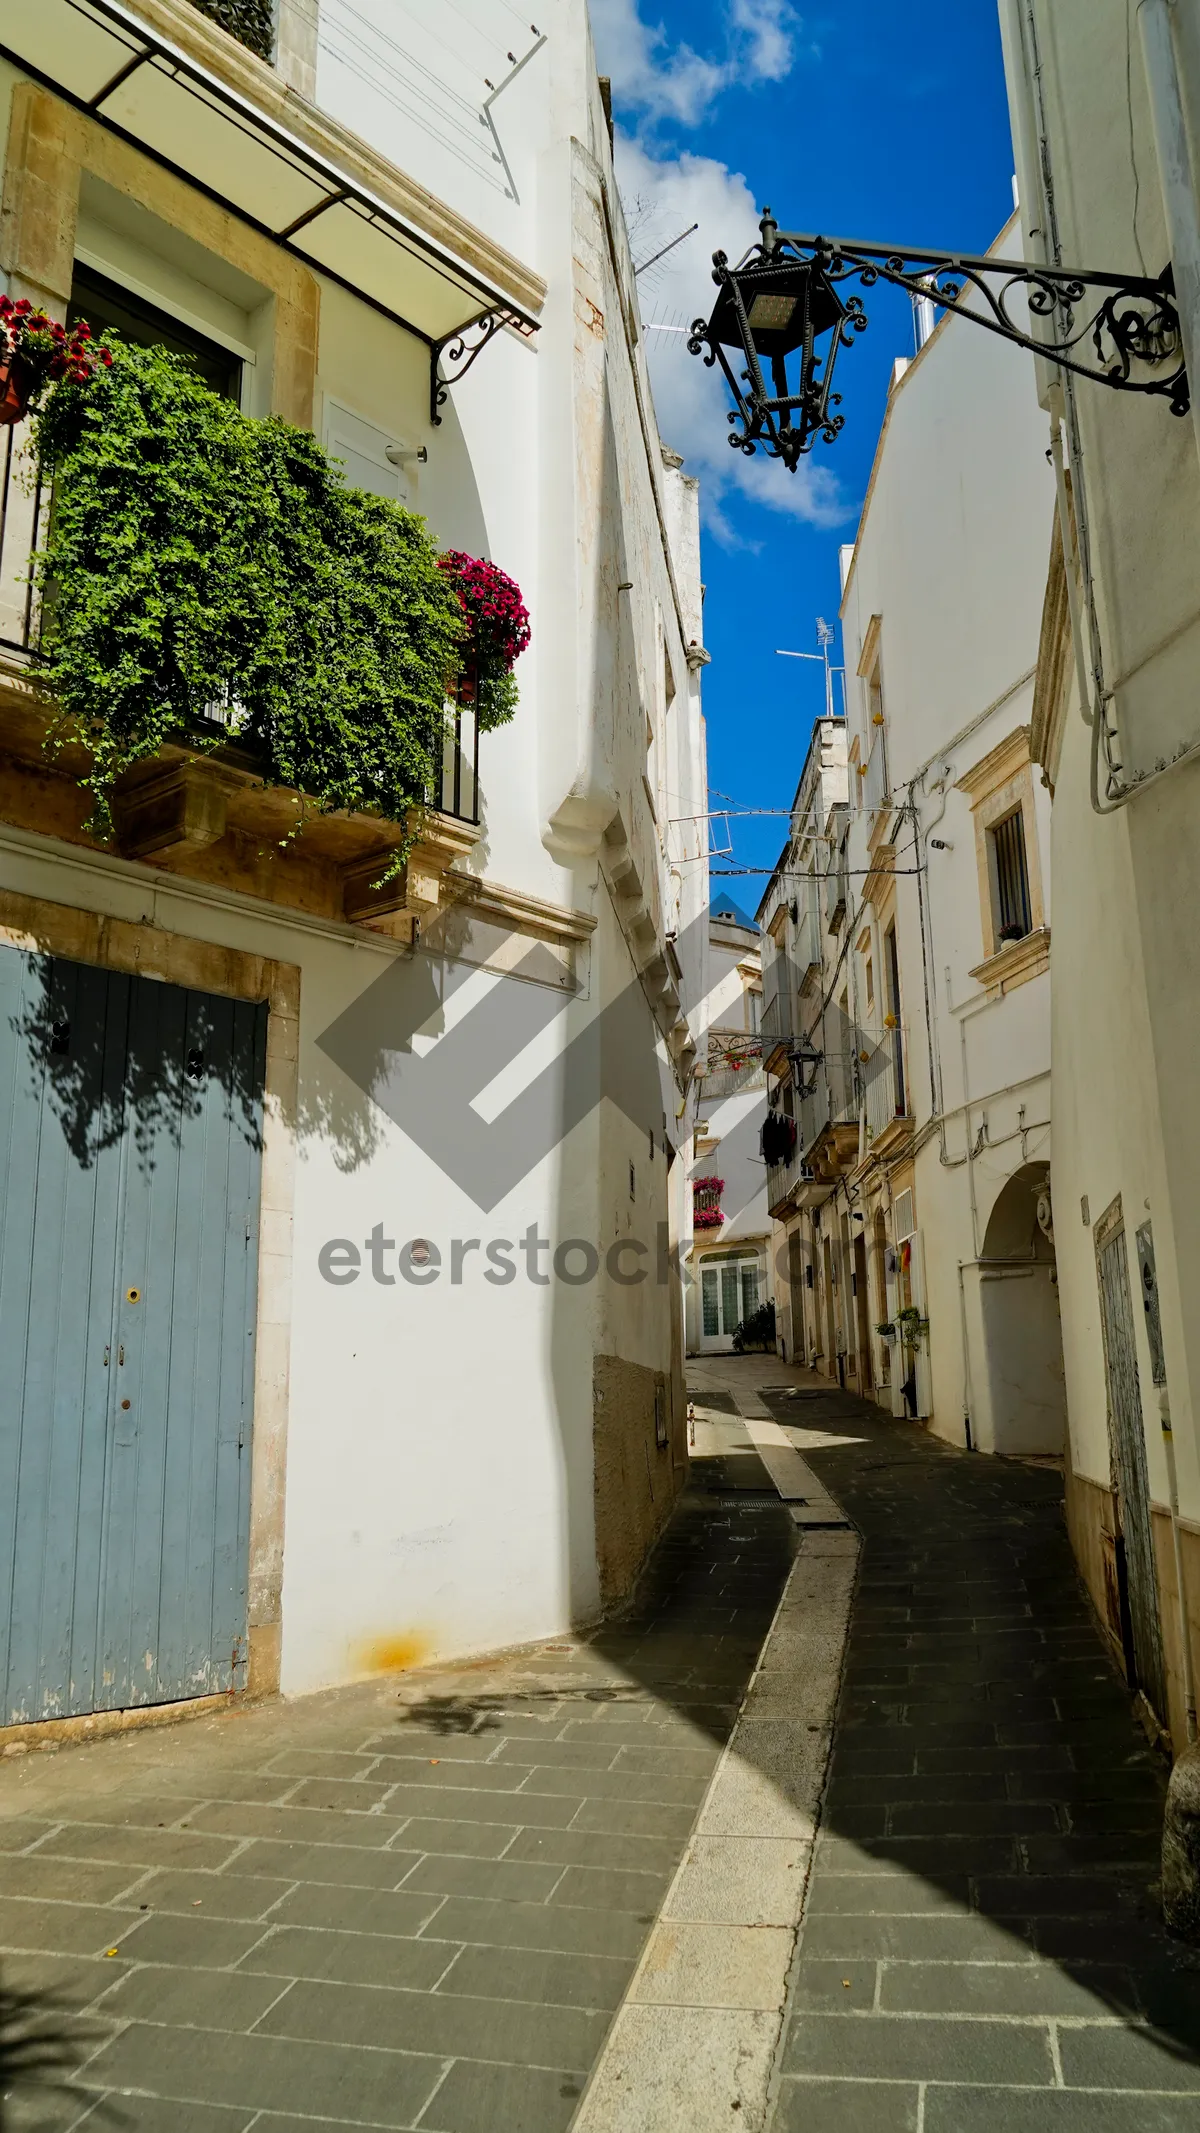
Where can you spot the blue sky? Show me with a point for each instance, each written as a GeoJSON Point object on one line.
{"type": "Point", "coordinates": [858, 119]}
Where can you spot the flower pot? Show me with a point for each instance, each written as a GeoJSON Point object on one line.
{"type": "Point", "coordinates": [14, 394]}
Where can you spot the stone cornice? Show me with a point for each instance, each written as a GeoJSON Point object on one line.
{"type": "Point", "coordinates": [1016, 962]}
{"type": "Point", "coordinates": [996, 767]}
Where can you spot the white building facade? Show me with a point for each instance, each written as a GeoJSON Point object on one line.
{"type": "Point", "coordinates": [730, 1274]}
{"type": "Point", "coordinates": [464, 1422]}
{"type": "Point", "coordinates": [916, 1202]}
{"type": "Point", "coordinates": [1106, 127]}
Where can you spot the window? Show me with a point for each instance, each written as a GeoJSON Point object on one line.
{"type": "Point", "coordinates": [875, 781]}
{"type": "Point", "coordinates": [1010, 876]}
{"type": "Point", "coordinates": [869, 976]}
{"type": "Point", "coordinates": [892, 975]}
{"type": "Point", "coordinates": [110, 309]}
{"type": "Point", "coordinates": [1005, 817]}
{"type": "Point", "coordinates": [753, 1011]}
{"type": "Point", "coordinates": [730, 1290]}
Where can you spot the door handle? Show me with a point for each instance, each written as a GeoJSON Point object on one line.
{"type": "Point", "coordinates": [107, 1353]}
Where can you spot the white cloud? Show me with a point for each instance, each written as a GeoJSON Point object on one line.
{"type": "Point", "coordinates": [768, 27]}
{"type": "Point", "coordinates": [690, 399]}
{"type": "Point", "coordinates": [661, 80]}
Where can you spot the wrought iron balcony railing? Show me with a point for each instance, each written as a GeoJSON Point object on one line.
{"type": "Point", "coordinates": [875, 784]}
{"type": "Point", "coordinates": [885, 1081]}
{"type": "Point", "coordinates": [22, 502]}
{"type": "Point", "coordinates": [833, 1099]}
{"type": "Point", "coordinates": [777, 1001]}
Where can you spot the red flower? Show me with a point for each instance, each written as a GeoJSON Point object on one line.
{"type": "Point", "coordinates": [497, 618]}
{"type": "Point", "coordinates": [38, 351]}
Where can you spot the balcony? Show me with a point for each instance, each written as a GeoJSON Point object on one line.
{"type": "Point", "coordinates": [208, 812]}
{"type": "Point", "coordinates": [836, 883]}
{"type": "Point", "coordinates": [876, 793]}
{"type": "Point", "coordinates": [886, 1088]}
{"type": "Point", "coordinates": [777, 1006]}
{"type": "Point", "coordinates": [828, 1122]}
{"type": "Point", "coordinates": [806, 953]}
{"type": "Point", "coordinates": [22, 511]}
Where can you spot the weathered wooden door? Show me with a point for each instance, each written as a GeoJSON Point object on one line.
{"type": "Point", "coordinates": [130, 1147]}
{"type": "Point", "coordinates": [1129, 1457]}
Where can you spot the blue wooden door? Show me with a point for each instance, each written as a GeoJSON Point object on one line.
{"type": "Point", "coordinates": [130, 1151]}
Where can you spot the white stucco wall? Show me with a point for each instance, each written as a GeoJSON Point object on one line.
{"type": "Point", "coordinates": [1127, 962]}
{"type": "Point", "coordinates": [949, 566]}
{"type": "Point", "coordinates": [441, 1454]}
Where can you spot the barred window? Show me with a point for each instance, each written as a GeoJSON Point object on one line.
{"type": "Point", "coordinates": [1010, 870]}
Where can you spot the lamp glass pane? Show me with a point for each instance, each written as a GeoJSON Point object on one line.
{"type": "Point", "coordinates": [771, 314]}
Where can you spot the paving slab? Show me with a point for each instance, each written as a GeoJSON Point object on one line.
{"type": "Point", "coordinates": [981, 1943]}
{"type": "Point", "coordinates": [418, 1899]}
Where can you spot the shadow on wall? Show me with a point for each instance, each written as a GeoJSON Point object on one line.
{"type": "Point", "coordinates": [114, 1058]}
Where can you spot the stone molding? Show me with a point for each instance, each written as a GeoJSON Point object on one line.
{"type": "Point", "coordinates": [1016, 962]}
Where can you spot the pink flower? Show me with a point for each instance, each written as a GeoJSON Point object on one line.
{"type": "Point", "coordinates": [497, 617]}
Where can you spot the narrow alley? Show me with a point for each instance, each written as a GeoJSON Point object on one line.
{"type": "Point", "coordinates": [562, 1887]}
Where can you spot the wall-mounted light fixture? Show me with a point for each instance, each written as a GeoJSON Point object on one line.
{"type": "Point", "coordinates": [786, 301]}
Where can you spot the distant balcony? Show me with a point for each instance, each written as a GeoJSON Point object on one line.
{"type": "Point", "coordinates": [828, 1121]}
{"type": "Point", "coordinates": [782, 1179]}
{"type": "Point", "coordinates": [876, 794]}
{"type": "Point", "coordinates": [777, 1009]}
{"type": "Point", "coordinates": [835, 893]}
{"type": "Point", "coordinates": [806, 954]}
{"type": "Point", "coordinates": [885, 1080]}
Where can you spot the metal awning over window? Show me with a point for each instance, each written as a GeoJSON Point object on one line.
{"type": "Point", "coordinates": [102, 59]}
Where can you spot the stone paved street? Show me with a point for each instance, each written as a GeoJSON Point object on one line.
{"type": "Point", "coordinates": [459, 1900]}
{"type": "Point", "coordinates": [390, 1910]}
{"type": "Point", "coordinates": [981, 1950]}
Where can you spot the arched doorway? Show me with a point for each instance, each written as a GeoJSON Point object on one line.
{"type": "Point", "coordinates": [1020, 1397]}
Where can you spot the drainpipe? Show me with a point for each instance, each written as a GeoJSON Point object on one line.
{"type": "Point", "coordinates": [1066, 528]}
{"type": "Point", "coordinates": [968, 1391]}
{"type": "Point", "coordinates": [1185, 1636]}
{"type": "Point", "coordinates": [1175, 178]}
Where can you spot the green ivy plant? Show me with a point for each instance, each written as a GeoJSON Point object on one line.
{"type": "Point", "coordinates": [198, 560]}
{"type": "Point", "coordinates": [251, 21]}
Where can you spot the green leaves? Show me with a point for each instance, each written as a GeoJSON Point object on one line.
{"type": "Point", "coordinates": [199, 559]}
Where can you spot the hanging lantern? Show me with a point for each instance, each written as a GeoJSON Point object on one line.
{"type": "Point", "coordinates": [776, 307]}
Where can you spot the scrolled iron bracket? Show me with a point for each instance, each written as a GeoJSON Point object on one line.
{"type": "Point", "coordinates": [1119, 330]}
{"type": "Point", "coordinates": [1126, 319]}
{"type": "Point", "coordinates": [461, 348]}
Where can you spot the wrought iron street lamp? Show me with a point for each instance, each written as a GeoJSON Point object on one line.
{"type": "Point", "coordinates": [787, 302]}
